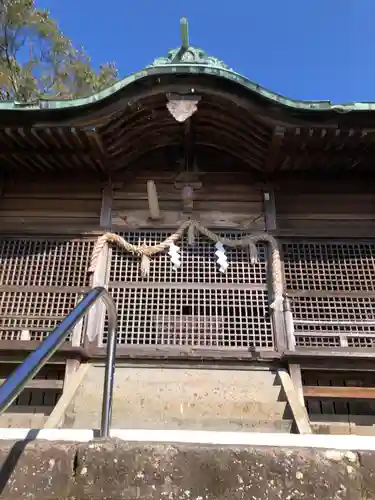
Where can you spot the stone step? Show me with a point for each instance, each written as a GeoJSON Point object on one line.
{"type": "Point", "coordinates": [24, 420]}
{"type": "Point", "coordinates": [189, 398]}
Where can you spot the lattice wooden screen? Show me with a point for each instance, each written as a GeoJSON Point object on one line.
{"type": "Point", "coordinates": [196, 305]}
{"type": "Point", "coordinates": [40, 282]}
{"type": "Point", "coordinates": [333, 292]}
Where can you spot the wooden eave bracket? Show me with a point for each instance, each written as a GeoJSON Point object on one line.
{"type": "Point", "coordinates": [274, 149]}
{"type": "Point", "coordinates": [99, 148]}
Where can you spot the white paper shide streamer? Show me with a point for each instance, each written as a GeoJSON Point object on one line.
{"type": "Point", "coordinates": [174, 253]}
{"type": "Point", "coordinates": [222, 260]}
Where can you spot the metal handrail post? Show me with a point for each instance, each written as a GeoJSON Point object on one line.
{"type": "Point", "coordinates": [16, 382]}
{"type": "Point", "coordinates": [110, 366]}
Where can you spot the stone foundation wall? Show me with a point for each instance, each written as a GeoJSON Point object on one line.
{"type": "Point", "coordinates": [117, 470]}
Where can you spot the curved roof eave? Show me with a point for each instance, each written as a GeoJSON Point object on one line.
{"type": "Point", "coordinates": [193, 69]}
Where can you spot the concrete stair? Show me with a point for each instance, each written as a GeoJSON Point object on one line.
{"type": "Point", "coordinates": [25, 419]}
{"type": "Point", "coordinates": [183, 398]}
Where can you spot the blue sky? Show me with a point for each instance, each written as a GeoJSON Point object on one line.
{"type": "Point", "coordinates": [316, 49]}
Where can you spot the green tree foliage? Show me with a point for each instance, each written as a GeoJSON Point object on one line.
{"type": "Point", "coordinates": [38, 60]}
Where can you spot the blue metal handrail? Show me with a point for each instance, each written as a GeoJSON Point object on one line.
{"type": "Point", "coordinates": [16, 382]}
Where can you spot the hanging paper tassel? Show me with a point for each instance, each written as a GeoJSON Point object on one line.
{"type": "Point", "coordinates": [191, 234]}
{"type": "Point", "coordinates": [174, 253]}
{"type": "Point", "coordinates": [145, 266]}
{"type": "Point", "coordinates": [221, 257]}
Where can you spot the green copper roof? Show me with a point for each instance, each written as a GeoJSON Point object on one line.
{"type": "Point", "coordinates": [188, 59]}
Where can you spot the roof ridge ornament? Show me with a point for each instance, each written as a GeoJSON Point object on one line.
{"type": "Point", "coordinates": [188, 54]}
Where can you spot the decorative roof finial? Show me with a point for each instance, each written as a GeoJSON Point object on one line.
{"type": "Point", "coordinates": [184, 30]}
{"type": "Point", "coordinates": [188, 54]}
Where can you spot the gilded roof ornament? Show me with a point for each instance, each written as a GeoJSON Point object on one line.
{"type": "Point", "coordinates": [188, 54]}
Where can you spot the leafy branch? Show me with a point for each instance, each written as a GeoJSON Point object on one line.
{"type": "Point", "coordinates": [38, 60]}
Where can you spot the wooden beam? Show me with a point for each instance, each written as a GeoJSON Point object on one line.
{"type": "Point", "coordinates": [296, 376]}
{"type": "Point", "coordinates": [106, 208]}
{"type": "Point", "coordinates": [299, 411]}
{"type": "Point", "coordinates": [58, 412]}
{"type": "Point", "coordinates": [48, 153]}
{"type": "Point", "coordinates": [339, 392]}
{"type": "Point", "coordinates": [42, 384]}
{"type": "Point", "coordinates": [71, 366]}
{"type": "Point", "coordinates": [99, 149]}
{"type": "Point", "coordinates": [269, 209]}
{"type": "Point", "coordinates": [273, 152]}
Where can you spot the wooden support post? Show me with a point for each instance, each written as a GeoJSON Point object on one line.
{"type": "Point", "coordinates": [95, 317]}
{"type": "Point", "coordinates": [55, 418]}
{"type": "Point", "coordinates": [72, 365]}
{"type": "Point", "coordinates": [153, 200]}
{"type": "Point", "coordinates": [278, 322]}
{"type": "Point", "coordinates": [296, 376]}
{"type": "Point", "coordinates": [269, 209]}
{"type": "Point", "coordinates": [106, 208]}
{"type": "Point", "coordinates": [289, 325]}
{"type": "Point", "coordinates": [299, 411]}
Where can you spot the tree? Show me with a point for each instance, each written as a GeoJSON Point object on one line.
{"type": "Point", "coordinates": [38, 60]}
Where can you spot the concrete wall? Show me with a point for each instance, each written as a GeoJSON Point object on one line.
{"type": "Point", "coordinates": [190, 398]}
{"type": "Point", "coordinates": [119, 470]}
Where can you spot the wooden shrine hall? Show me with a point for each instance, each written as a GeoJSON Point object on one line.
{"type": "Point", "coordinates": [233, 227]}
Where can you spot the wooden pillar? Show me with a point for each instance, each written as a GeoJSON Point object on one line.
{"type": "Point", "coordinates": [96, 316]}
{"type": "Point", "coordinates": [269, 209]}
{"type": "Point", "coordinates": [72, 365]}
{"type": "Point", "coordinates": [278, 322]}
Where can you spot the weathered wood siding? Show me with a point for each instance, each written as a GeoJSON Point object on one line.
{"type": "Point", "coordinates": [226, 200]}
{"type": "Point", "coordinates": [326, 209]}
{"type": "Point", "coordinates": [59, 206]}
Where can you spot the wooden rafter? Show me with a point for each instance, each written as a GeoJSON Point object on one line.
{"type": "Point", "coordinates": [99, 150]}
{"type": "Point", "coordinates": [274, 149]}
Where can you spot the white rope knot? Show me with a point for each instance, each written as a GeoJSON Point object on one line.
{"type": "Point", "coordinates": [277, 304]}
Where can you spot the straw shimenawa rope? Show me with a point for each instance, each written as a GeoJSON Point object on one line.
{"type": "Point", "coordinates": [145, 252]}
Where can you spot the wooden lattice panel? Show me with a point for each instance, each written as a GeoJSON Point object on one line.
{"type": "Point", "coordinates": [332, 289]}
{"type": "Point", "coordinates": [196, 305]}
{"type": "Point", "coordinates": [40, 282]}
{"type": "Point", "coordinates": [44, 262]}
